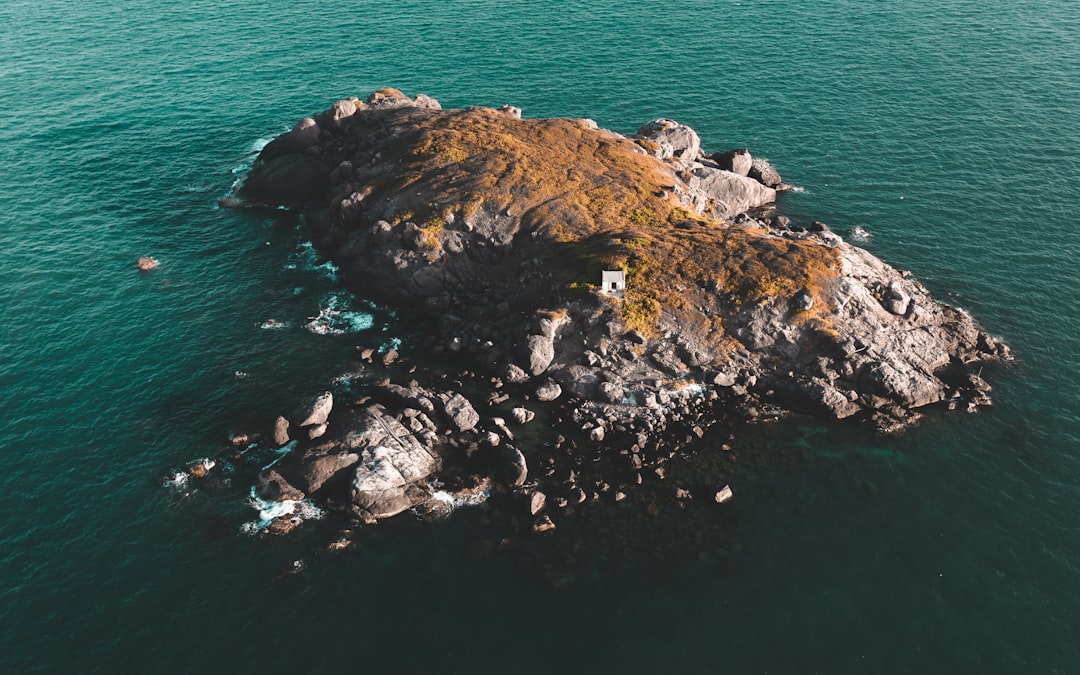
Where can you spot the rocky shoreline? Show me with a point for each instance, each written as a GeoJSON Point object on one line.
{"type": "Point", "coordinates": [490, 234]}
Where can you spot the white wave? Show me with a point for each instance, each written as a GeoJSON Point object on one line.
{"type": "Point", "coordinates": [857, 233]}
{"type": "Point", "coordinates": [206, 463]}
{"type": "Point", "coordinates": [306, 258]}
{"type": "Point", "coordinates": [175, 480]}
{"type": "Point", "coordinates": [336, 318]}
{"type": "Point", "coordinates": [304, 509]}
{"type": "Point", "coordinates": [453, 501]}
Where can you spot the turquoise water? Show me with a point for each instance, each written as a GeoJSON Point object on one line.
{"type": "Point", "coordinates": [948, 129]}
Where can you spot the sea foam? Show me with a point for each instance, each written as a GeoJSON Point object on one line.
{"type": "Point", "coordinates": [337, 318]}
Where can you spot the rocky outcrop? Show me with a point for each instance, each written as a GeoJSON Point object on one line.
{"type": "Point", "coordinates": [487, 231]}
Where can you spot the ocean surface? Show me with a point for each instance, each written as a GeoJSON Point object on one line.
{"type": "Point", "coordinates": [950, 130]}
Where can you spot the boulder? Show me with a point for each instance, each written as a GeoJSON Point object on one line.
{"type": "Point", "coordinates": [723, 495]}
{"type": "Point", "coordinates": [895, 299]}
{"type": "Point", "coordinates": [539, 353]}
{"type": "Point", "coordinates": [675, 141]}
{"type": "Point", "coordinates": [318, 468]}
{"type": "Point", "coordinates": [738, 162]}
{"type": "Point", "coordinates": [342, 110]}
{"type": "Point", "coordinates": [763, 172]}
{"type": "Point", "coordinates": [314, 410]}
{"type": "Point", "coordinates": [514, 467]}
{"type": "Point", "coordinates": [611, 392]}
{"type": "Point", "coordinates": [536, 502]}
{"type": "Point", "coordinates": [522, 415]}
{"type": "Point", "coordinates": [392, 468]}
{"type": "Point", "coordinates": [461, 413]}
{"type": "Point", "coordinates": [426, 102]}
{"type": "Point", "coordinates": [279, 434]}
{"type": "Point", "coordinates": [389, 98]}
{"type": "Point", "coordinates": [548, 391]}
{"type": "Point", "coordinates": [543, 524]}
{"type": "Point", "coordinates": [272, 487]}
{"type": "Point", "coordinates": [733, 194]}
{"type": "Point", "coordinates": [146, 263]}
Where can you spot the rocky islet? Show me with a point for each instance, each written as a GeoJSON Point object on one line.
{"type": "Point", "coordinates": [489, 232]}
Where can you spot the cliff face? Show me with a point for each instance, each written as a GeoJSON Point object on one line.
{"type": "Point", "coordinates": [492, 231]}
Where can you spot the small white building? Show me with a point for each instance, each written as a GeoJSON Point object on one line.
{"type": "Point", "coordinates": [613, 282]}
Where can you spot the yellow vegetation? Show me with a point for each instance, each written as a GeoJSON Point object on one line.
{"type": "Point", "coordinates": [591, 201]}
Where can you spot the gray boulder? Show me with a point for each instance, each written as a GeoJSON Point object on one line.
{"type": "Point", "coordinates": [461, 413]}
{"type": "Point", "coordinates": [548, 391]}
{"type": "Point", "coordinates": [392, 467]}
{"type": "Point", "coordinates": [738, 162]}
{"type": "Point", "coordinates": [316, 468]}
{"type": "Point", "coordinates": [272, 487]}
{"type": "Point", "coordinates": [515, 468]}
{"type": "Point", "coordinates": [539, 353]}
{"type": "Point", "coordinates": [314, 411]}
{"type": "Point", "coordinates": [676, 141]}
{"type": "Point", "coordinates": [279, 435]}
{"type": "Point", "coordinates": [763, 172]}
{"type": "Point", "coordinates": [732, 194]}
{"type": "Point", "coordinates": [522, 415]}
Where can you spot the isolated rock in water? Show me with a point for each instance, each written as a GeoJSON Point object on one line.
{"type": "Point", "coordinates": [473, 223]}
{"type": "Point", "coordinates": [314, 411]}
{"type": "Point", "coordinates": [146, 263]}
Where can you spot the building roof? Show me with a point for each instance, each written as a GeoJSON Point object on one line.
{"type": "Point", "coordinates": [612, 276]}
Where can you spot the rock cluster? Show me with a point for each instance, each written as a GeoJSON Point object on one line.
{"type": "Point", "coordinates": [482, 228]}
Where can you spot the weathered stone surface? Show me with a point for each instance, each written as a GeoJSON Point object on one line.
{"type": "Point", "coordinates": [461, 413]}
{"type": "Point", "coordinates": [539, 353]}
{"type": "Point", "coordinates": [763, 172]}
{"type": "Point", "coordinates": [515, 469]}
{"type": "Point", "coordinates": [548, 391]}
{"type": "Point", "coordinates": [674, 140]}
{"type": "Point", "coordinates": [522, 415]}
{"type": "Point", "coordinates": [314, 411]}
{"type": "Point", "coordinates": [738, 162]}
{"type": "Point", "coordinates": [317, 468]}
{"type": "Point", "coordinates": [146, 263]}
{"type": "Point", "coordinates": [279, 434]}
{"type": "Point", "coordinates": [272, 487]}
{"type": "Point", "coordinates": [733, 194]}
